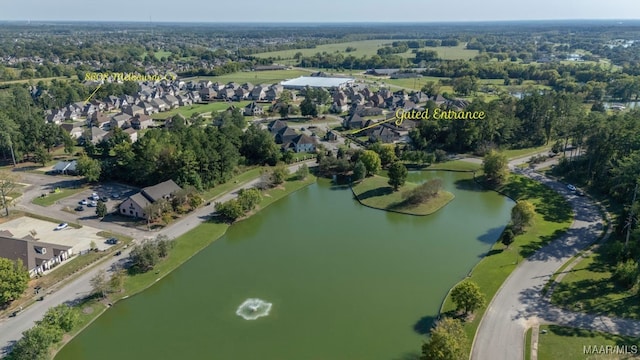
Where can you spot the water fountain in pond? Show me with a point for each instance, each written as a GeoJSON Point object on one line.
{"type": "Point", "coordinates": [252, 309]}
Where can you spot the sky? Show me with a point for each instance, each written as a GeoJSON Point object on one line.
{"type": "Point", "coordinates": [316, 11]}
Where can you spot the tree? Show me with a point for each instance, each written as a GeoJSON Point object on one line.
{"type": "Point", "coordinates": [89, 168]}
{"type": "Point", "coordinates": [467, 296]}
{"type": "Point", "coordinates": [101, 209]}
{"type": "Point", "coordinates": [431, 88]}
{"type": "Point", "coordinates": [230, 210]}
{"type": "Point", "coordinates": [35, 343]}
{"type": "Point", "coordinates": [259, 146]}
{"type": "Point", "coordinates": [99, 283]}
{"type": "Point", "coordinates": [302, 172]}
{"type": "Point", "coordinates": [371, 161]}
{"type": "Point", "coordinates": [448, 341]}
{"type": "Point", "coordinates": [279, 174]}
{"type": "Point", "coordinates": [508, 237]}
{"type": "Point", "coordinates": [8, 183]}
{"type": "Point", "coordinates": [397, 175]}
{"type": "Point", "coordinates": [144, 257]}
{"type": "Point", "coordinates": [116, 281]}
{"type": "Point", "coordinates": [522, 216]}
{"type": "Point", "coordinates": [14, 279]}
{"type": "Point", "coordinates": [423, 192]}
{"type": "Point", "coordinates": [249, 199]}
{"type": "Point", "coordinates": [496, 167]}
{"type": "Point", "coordinates": [308, 108]}
{"type": "Point", "coordinates": [42, 156]}
{"type": "Point", "coordinates": [62, 316]}
{"type": "Point", "coordinates": [359, 171]}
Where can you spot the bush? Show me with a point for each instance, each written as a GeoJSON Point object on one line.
{"type": "Point", "coordinates": [626, 273]}
{"type": "Point", "coordinates": [423, 192]}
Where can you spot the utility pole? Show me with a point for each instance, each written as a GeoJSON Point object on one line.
{"type": "Point", "coordinates": [630, 218]}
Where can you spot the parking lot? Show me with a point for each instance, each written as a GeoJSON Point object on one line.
{"type": "Point", "coordinates": [114, 193]}
{"type": "Point", "coordinates": [79, 239]}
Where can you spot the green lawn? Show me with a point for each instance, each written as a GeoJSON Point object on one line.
{"type": "Point", "coordinates": [527, 344]}
{"type": "Point", "coordinates": [375, 192]}
{"type": "Point", "coordinates": [256, 77]}
{"type": "Point", "coordinates": [34, 80]}
{"type": "Point", "coordinates": [459, 165]}
{"type": "Point", "coordinates": [589, 287]}
{"type": "Point", "coordinates": [234, 182]}
{"type": "Point", "coordinates": [553, 217]}
{"type": "Point", "coordinates": [370, 48]}
{"type": "Point", "coordinates": [51, 198]}
{"type": "Point", "coordinates": [518, 153]}
{"type": "Point", "coordinates": [569, 344]}
{"type": "Point", "coordinates": [187, 111]}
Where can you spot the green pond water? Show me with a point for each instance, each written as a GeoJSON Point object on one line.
{"type": "Point", "coordinates": [345, 281]}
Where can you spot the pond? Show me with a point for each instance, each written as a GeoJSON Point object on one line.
{"type": "Point", "coordinates": [326, 278]}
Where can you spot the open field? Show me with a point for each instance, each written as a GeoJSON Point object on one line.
{"type": "Point", "coordinates": [255, 77]}
{"type": "Point", "coordinates": [234, 182]}
{"type": "Point", "coordinates": [553, 217]}
{"type": "Point", "coordinates": [187, 111]}
{"type": "Point", "coordinates": [34, 80]}
{"type": "Point", "coordinates": [52, 198]}
{"type": "Point", "coordinates": [589, 287]}
{"type": "Point", "coordinates": [370, 48]}
{"type": "Point", "coordinates": [375, 192]}
{"type": "Point", "coordinates": [574, 344]}
{"type": "Point", "coordinates": [455, 165]}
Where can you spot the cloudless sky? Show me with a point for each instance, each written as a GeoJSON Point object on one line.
{"type": "Point", "coordinates": [316, 11]}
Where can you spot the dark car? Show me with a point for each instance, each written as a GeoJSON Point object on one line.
{"type": "Point", "coordinates": [80, 208]}
{"type": "Point", "coordinates": [104, 199]}
{"type": "Point", "coordinates": [118, 253]}
{"type": "Point", "coordinates": [112, 241]}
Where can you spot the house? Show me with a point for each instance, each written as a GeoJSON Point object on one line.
{"type": "Point", "coordinates": [140, 122]}
{"type": "Point", "coordinates": [258, 93]}
{"type": "Point", "coordinates": [65, 167]}
{"type": "Point", "coordinates": [133, 134]}
{"type": "Point", "coordinates": [241, 94]}
{"type": "Point", "coordinates": [253, 109]}
{"type": "Point", "coordinates": [159, 105]}
{"type": "Point", "coordinates": [275, 126]}
{"type": "Point", "coordinates": [133, 110]}
{"type": "Point", "coordinates": [172, 101]}
{"type": "Point", "coordinates": [75, 132]}
{"type": "Point", "coordinates": [147, 107]}
{"type": "Point", "coordinates": [97, 135]}
{"type": "Point", "coordinates": [354, 121]}
{"type": "Point", "coordinates": [227, 94]}
{"type": "Point", "coordinates": [331, 136]}
{"type": "Point", "coordinates": [184, 100]}
{"type": "Point", "coordinates": [339, 106]}
{"type": "Point", "coordinates": [285, 135]}
{"type": "Point", "coordinates": [207, 94]}
{"type": "Point", "coordinates": [135, 205]}
{"type": "Point", "coordinates": [120, 121]}
{"type": "Point", "coordinates": [301, 143]}
{"type": "Point", "coordinates": [37, 256]}
{"type": "Point", "coordinates": [384, 134]}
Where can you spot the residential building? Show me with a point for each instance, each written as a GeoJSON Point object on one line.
{"type": "Point", "coordinates": [36, 255]}
{"type": "Point", "coordinates": [136, 205]}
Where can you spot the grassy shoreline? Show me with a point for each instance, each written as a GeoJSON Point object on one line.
{"type": "Point", "coordinates": [185, 247]}
{"type": "Point", "coordinates": [560, 342]}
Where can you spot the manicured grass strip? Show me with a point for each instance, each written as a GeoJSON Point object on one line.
{"type": "Point", "coordinates": [189, 110]}
{"type": "Point", "coordinates": [589, 287]}
{"type": "Point", "coordinates": [527, 344]}
{"type": "Point", "coordinates": [518, 153]}
{"type": "Point", "coordinates": [458, 165]}
{"type": "Point", "coordinates": [233, 183]}
{"type": "Point", "coordinates": [45, 218]}
{"type": "Point", "coordinates": [553, 217]}
{"type": "Point", "coordinates": [257, 77]}
{"type": "Point", "coordinates": [51, 198]}
{"type": "Point", "coordinates": [567, 343]}
{"type": "Point", "coordinates": [375, 192]}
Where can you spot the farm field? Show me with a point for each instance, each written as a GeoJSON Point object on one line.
{"type": "Point", "coordinates": [255, 77]}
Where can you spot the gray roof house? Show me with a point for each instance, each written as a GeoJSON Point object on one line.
{"type": "Point", "coordinates": [37, 256]}
{"type": "Point", "coordinates": [135, 205]}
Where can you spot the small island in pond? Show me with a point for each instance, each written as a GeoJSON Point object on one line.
{"type": "Point", "coordinates": [411, 198]}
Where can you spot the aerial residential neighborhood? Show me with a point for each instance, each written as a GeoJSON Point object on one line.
{"type": "Point", "coordinates": [267, 177]}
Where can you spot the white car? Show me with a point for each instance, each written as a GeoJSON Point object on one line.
{"type": "Point", "coordinates": [92, 204]}
{"type": "Point", "coordinates": [62, 226]}
{"type": "Point", "coordinates": [83, 202]}
{"type": "Point", "coordinates": [571, 187]}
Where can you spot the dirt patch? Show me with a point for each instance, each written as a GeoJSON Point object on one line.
{"type": "Point", "coordinates": [87, 310]}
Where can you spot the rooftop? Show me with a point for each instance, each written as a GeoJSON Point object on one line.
{"type": "Point", "coordinates": [325, 82]}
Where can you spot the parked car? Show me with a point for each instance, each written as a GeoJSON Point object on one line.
{"type": "Point", "coordinates": [61, 226]}
{"type": "Point", "coordinates": [80, 208]}
{"type": "Point", "coordinates": [92, 204]}
{"type": "Point", "coordinates": [571, 187]}
{"type": "Point", "coordinates": [112, 241]}
{"type": "Point", "coordinates": [118, 253]}
{"type": "Point", "coordinates": [83, 202]}
{"type": "Point", "coordinates": [95, 197]}
{"type": "Point", "coordinates": [115, 195]}
{"type": "Point", "coordinates": [104, 199]}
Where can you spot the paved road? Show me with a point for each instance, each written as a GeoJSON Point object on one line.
{"type": "Point", "coordinates": [11, 328]}
{"type": "Point", "coordinates": [519, 303]}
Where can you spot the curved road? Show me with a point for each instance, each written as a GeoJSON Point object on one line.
{"type": "Point", "coordinates": [11, 328]}
{"type": "Point", "coordinates": [519, 302]}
